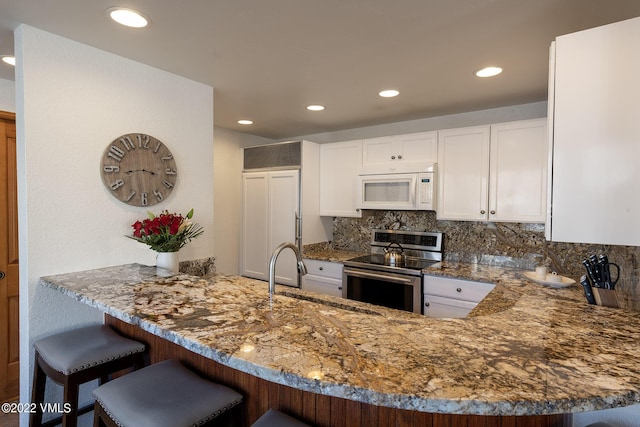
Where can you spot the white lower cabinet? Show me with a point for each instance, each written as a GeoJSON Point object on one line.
{"type": "Point", "coordinates": [452, 298]}
{"type": "Point", "coordinates": [323, 277]}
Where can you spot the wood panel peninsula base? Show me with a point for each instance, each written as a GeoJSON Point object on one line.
{"type": "Point", "coordinates": [316, 409]}
{"type": "Point", "coordinates": [525, 356]}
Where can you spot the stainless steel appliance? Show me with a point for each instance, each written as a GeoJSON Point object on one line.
{"type": "Point", "coordinates": [371, 278]}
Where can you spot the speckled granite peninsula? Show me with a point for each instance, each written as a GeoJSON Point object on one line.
{"type": "Point", "coordinates": [526, 350]}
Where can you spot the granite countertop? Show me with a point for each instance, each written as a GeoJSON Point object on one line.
{"type": "Point", "coordinates": [528, 349]}
{"type": "Point", "coordinates": [324, 252]}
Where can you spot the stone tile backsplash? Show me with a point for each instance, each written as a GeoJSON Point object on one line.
{"type": "Point", "coordinates": [505, 244]}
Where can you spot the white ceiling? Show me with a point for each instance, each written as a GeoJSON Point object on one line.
{"type": "Point", "coordinates": [268, 59]}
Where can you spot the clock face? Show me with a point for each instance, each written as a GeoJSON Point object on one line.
{"type": "Point", "coordinates": [138, 169]}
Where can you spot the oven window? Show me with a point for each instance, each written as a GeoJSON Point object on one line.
{"type": "Point", "coordinates": [380, 292]}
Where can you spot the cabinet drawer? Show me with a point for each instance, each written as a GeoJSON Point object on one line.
{"type": "Point", "coordinates": [324, 268]}
{"type": "Point", "coordinates": [450, 308]}
{"type": "Point", "coordinates": [322, 285]}
{"type": "Point", "coordinates": [456, 288]}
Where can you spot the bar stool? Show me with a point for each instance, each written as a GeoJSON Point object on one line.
{"type": "Point", "coordinates": [75, 357]}
{"type": "Point", "coordinates": [165, 394]}
{"type": "Point", "coordinates": [273, 418]}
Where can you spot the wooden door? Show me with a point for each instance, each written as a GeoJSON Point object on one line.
{"type": "Point", "coordinates": [9, 326]}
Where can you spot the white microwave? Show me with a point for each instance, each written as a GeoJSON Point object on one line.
{"type": "Point", "coordinates": [398, 191]}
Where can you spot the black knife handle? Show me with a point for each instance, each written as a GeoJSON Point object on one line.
{"type": "Point", "coordinates": [588, 292]}
{"type": "Point", "coordinates": [603, 266]}
{"type": "Point", "coordinates": [597, 274]}
{"type": "Point", "coordinates": [589, 267]}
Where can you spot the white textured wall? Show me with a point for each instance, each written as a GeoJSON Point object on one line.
{"type": "Point", "coordinates": [7, 96]}
{"type": "Point", "coordinates": [72, 100]}
{"type": "Point", "coordinates": [227, 180]}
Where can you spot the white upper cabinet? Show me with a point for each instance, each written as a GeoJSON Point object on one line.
{"type": "Point", "coordinates": [596, 136]}
{"type": "Point", "coordinates": [340, 163]}
{"type": "Point", "coordinates": [494, 173]}
{"type": "Point", "coordinates": [392, 153]}
{"type": "Point", "coordinates": [463, 173]}
{"type": "Point", "coordinates": [518, 171]}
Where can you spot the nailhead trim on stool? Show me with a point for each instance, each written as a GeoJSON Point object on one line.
{"type": "Point", "coordinates": [165, 394]}
{"type": "Point", "coordinates": [75, 357]}
{"type": "Point", "coordinates": [273, 418]}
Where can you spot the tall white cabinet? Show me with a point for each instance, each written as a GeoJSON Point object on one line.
{"type": "Point", "coordinates": [493, 173]}
{"type": "Point", "coordinates": [269, 217]}
{"type": "Point", "coordinates": [594, 101]}
{"type": "Point", "coordinates": [280, 206]}
{"type": "Point", "coordinates": [340, 163]}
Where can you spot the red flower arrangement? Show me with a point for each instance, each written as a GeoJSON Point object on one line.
{"type": "Point", "coordinates": [167, 232]}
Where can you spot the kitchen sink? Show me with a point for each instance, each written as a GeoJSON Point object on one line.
{"type": "Point", "coordinates": [335, 304]}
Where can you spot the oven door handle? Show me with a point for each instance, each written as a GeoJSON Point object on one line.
{"type": "Point", "coordinates": [366, 275]}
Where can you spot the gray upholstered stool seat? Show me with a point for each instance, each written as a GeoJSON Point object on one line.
{"type": "Point", "coordinates": [273, 418]}
{"type": "Point", "coordinates": [600, 424]}
{"type": "Point", "coordinates": [75, 357]}
{"type": "Point", "coordinates": [165, 394]}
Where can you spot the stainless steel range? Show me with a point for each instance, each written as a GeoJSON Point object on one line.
{"type": "Point", "coordinates": [391, 275]}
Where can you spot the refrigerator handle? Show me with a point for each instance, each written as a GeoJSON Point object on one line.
{"type": "Point", "coordinates": [298, 229]}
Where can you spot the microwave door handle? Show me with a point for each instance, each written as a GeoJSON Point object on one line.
{"type": "Point", "coordinates": [414, 191]}
{"type": "Point", "coordinates": [366, 275]}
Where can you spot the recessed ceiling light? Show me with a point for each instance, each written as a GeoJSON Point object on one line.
{"type": "Point", "coordinates": [489, 72]}
{"type": "Point", "coordinates": [128, 17]}
{"type": "Point", "coordinates": [245, 122]}
{"type": "Point", "coordinates": [11, 60]}
{"type": "Point", "coordinates": [389, 93]}
{"type": "Point", "coordinates": [315, 107]}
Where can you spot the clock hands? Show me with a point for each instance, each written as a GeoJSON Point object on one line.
{"type": "Point", "coordinates": [140, 170]}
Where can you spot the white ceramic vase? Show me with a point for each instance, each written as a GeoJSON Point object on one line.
{"type": "Point", "coordinates": [167, 262]}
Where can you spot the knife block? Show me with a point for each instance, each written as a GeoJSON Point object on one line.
{"type": "Point", "coordinates": [606, 297]}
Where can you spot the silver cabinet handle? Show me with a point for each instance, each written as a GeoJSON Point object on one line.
{"type": "Point", "coordinates": [492, 212]}
{"type": "Point", "coordinates": [399, 157]}
{"type": "Point", "coordinates": [426, 304]}
{"type": "Point", "coordinates": [393, 157]}
{"type": "Point", "coordinates": [483, 211]}
{"type": "Point", "coordinates": [320, 268]}
{"type": "Point", "coordinates": [459, 290]}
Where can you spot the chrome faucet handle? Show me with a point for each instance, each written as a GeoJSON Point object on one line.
{"type": "Point", "coordinates": [302, 269]}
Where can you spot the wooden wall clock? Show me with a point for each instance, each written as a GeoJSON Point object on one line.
{"type": "Point", "coordinates": [138, 169]}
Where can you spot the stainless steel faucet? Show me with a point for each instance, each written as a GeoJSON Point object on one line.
{"type": "Point", "coordinates": [302, 269]}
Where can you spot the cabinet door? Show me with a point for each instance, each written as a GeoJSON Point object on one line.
{"type": "Point", "coordinates": [518, 171]}
{"type": "Point", "coordinates": [419, 147]}
{"type": "Point", "coordinates": [447, 308]}
{"type": "Point", "coordinates": [322, 285]}
{"type": "Point", "coordinates": [596, 134]}
{"type": "Point", "coordinates": [283, 212]}
{"type": "Point", "coordinates": [463, 173]}
{"type": "Point", "coordinates": [397, 153]}
{"type": "Point", "coordinates": [379, 151]}
{"type": "Point", "coordinates": [340, 163]}
{"type": "Point", "coordinates": [255, 225]}
{"type": "Point", "coordinates": [270, 204]}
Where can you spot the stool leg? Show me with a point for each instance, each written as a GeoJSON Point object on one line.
{"type": "Point", "coordinates": [37, 392]}
{"type": "Point", "coordinates": [71, 391]}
